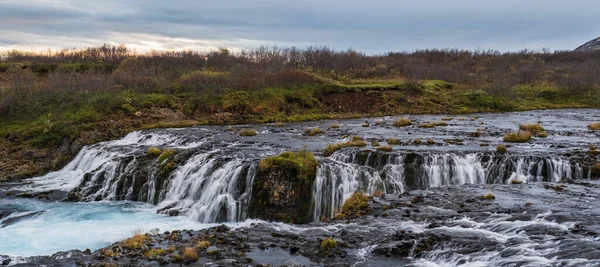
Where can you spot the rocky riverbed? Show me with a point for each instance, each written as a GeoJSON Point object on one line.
{"type": "Point", "coordinates": [542, 224]}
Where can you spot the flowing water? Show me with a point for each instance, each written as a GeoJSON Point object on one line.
{"type": "Point", "coordinates": [214, 168]}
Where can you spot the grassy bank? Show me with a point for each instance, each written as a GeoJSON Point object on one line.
{"type": "Point", "coordinates": [50, 106]}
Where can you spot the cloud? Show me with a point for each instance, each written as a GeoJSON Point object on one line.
{"type": "Point", "coordinates": [374, 26]}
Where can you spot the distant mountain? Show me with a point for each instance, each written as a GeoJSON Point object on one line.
{"type": "Point", "coordinates": [589, 46]}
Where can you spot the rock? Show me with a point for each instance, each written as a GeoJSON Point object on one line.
{"type": "Point", "coordinates": [283, 187]}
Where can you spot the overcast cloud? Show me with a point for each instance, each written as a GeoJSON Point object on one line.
{"type": "Point", "coordinates": [372, 26]}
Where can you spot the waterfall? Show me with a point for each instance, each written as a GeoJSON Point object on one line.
{"type": "Point", "coordinates": [351, 170]}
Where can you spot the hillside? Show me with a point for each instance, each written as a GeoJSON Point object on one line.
{"type": "Point", "coordinates": [589, 46]}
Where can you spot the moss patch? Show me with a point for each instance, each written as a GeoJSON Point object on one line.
{"type": "Point", "coordinates": [594, 126]}
{"type": "Point", "coordinates": [303, 161]}
{"type": "Point", "coordinates": [532, 128]}
{"type": "Point", "coordinates": [355, 142]}
{"type": "Point", "coordinates": [247, 132]}
{"type": "Point", "coordinates": [402, 122]}
{"type": "Point", "coordinates": [517, 137]}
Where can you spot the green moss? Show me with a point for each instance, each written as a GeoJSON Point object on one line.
{"type": "Point", "coordinates": [374, 144]}
{"type": "Point", "coordinates": [167, 153]}
{"type": "Point", "coordinates": [430, 142]}
{"type": "Point", "coordinates": [517, 137]}
{"type": "Point", "coordinates": [393, 141]}
{"type": "Point", "coordinates": [153, 152]}
{"type": "Point", "coordinates": [433, 124]}
{"type": "Point", "coordinates": [334, 126]}
{"type": "Point", "coordinates": [303, 161]}
{"type": "Point", "coordinates": [501, 149]}
{"type": "Point", "coordinates": [247, 132]}
{"type": "Point", "coordinates": [402, 122]}
{"type": "Point", "coordinates": [328, 244]}
{"type": "Point", "coordinates": [542, 134]}
{"type": "Point", "coordinates": [417, 141]}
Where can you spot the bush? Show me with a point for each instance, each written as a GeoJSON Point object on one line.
{"type": "Point", "coordinates": [517, 137]}
{"type": "Point", "coordinates": [240, 102]}
{"type": "Point", "coordinates": [594, 126]}
{"type": "Point", "coordinates": [393, 141]}
{"type": "Point", "coordinates": [153, 152]}
{"type": "Point", "coordinates": [532, 128]}
{"type": "Point", "coordinates": [313, 131]}
{"type": "Point", "coordinates": [402, 122]}
{"type": "Point", "coordinates": [385, 148]}
{"type": "Point", "coordinates": [501, 149]}
{"type": "Point", "coordinates": [247, 132]}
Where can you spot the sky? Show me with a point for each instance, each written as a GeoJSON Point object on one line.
{"type": "Point", "coordinates": [370, 26]}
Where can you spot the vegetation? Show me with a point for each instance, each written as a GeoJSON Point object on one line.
{"type": "Point", "coordinates": [385, 148]}
{"type": "Point", "coordinates": [501, 149]}
{"type": "Point", "coordinates": [190, 254]}
{"type": "Point", "coordinates": [153, 152]}
{"type": "Point", "coordinates": [328, 244]}
{"type": "Point", "coordinates": [594, 126]}
{"type": "Point", "coordinates": [201, 245]}
{"type": "Point", "coordinates": [430, 142]}
{"type": "Point", "coordinates": [517, 137]}
{"type": "Point", "coordinates": [313, 131]}
{"type": "Point", "coordinates": [166, 154]}
{"type": "Point", "coordinates": [476, 133]}
{"type": "Point", "coordinates": [542, 134]}
{"type": "Point", "coordinates": [488, 197]}
{"type": "Point", "coordinates": [417, 141]}
{"type": "Point", "coordinates": [303, 161]}
{"type": "Point", "coordinates": [532, 128]}
{"type": "Point", "coordinates": [136, 241]}
{"type": "Point", "coordinates": [355, 142]}
{"type": "Point", "coordinates": [433, 124]}
{"type": "Point", "coordinates": [83, 96]}
{"type": "Point", "coordinates": [402, 122]}
{"type": "Point", "coordinates": [354, 206]}
{"type": "Point", "coordinates": [374, 143]}
{"type": "Point", "coordinates": [334, 126]}
{"type": "Point", "coordinates": [516, 181]}
{"type": "Point", "coordinates": [393, 141]}
{"type": "Point", "coordinates": [247, 132]}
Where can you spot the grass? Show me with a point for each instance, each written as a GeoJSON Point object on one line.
{"type": "Point", "coordinates": [155, 252]}
{"type": "Point", "coordinates": [488, 197]}
{"type": "Point", "coordinates": [303, 161]}
{"type": "Point", "coordinates": [356, 201]}
{"type": "Point", "coordinates": [532, 128]}
{"type": "Point", "coordinates": [401, 122]}
{"type": "Point", "coordinates": [594, 126]}
{"type": "Point", "coordinates": [247, 132]}
{"type": "Point", "coordinates": [374, 144]}
{"type": "Point", "coordinates": [385, 148]}
{"type": "Point", "coordinates": [476, 133]}
{"type": "Point", "coordinates": [332, 148]}
{"type": "Point", "coordinates": [542, 134]}
{"type": "Point", "coordinates": [517, 137]}
{"type": "Point", "coordinates": [165, 155]}
{"type": "Point", "coordinates": [501, 149]}
{"type": "Point", "coordinates": [190, 255]}
{"type": "Point", "coordinates": [328, 244]}
{"type": "Point", "coordinates": [433, 124]}
{"type": "Point", "coordinates": [153, 152]}
{"type": "Point", "coordinates": [393, 141]}
{"type": "Point", "coordinates": [334, 126]}
{"type": "Point", "coordinates": [313, 131]}
{"type": "Point", "coordinates": [136, 241]}
{"type": "Point", "coordinates": [201, 245]}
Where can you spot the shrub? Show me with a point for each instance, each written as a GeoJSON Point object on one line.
{"type": "Point", "coordinates": [501, 149]}
{"type": "Point", "coordinates": [239, 101]}
{"type": "Point", "coordinates": [313, 131]}
{"type": "Point", "coordinates": [532, 128]}
{"type": "Point", "coordinates": [385, 148]}
{"type": "Point", "coordinates": [542, 134]}
{"type": "Point", "coordinates": [247, 132]}
{"type": "Point", "coordinates": [594, 126]}
{"type": "Point", "coordinates": [517, 137]}
{"type": "Point", "coordinates": [165, 155]}
{"type": "Point", "coordinates": [328, 244]}
{"type": "Point", "coordinates": [402, 122]}
{"type": "Point", "coordinates": [393, 141]}
{"type": "Point", "coordinates": [190, 255]}
{"type": "Point", "coordinates": [153, 152]}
